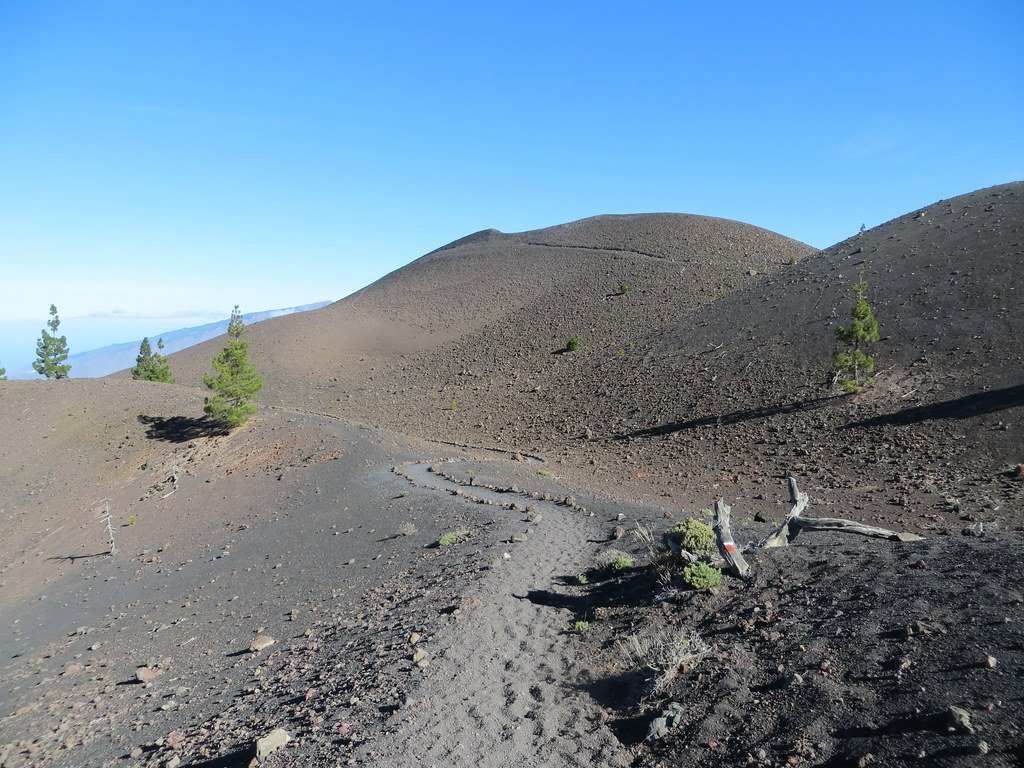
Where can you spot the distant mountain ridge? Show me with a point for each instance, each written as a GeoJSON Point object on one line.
{"type": "Point", "coordinates": [116, 357]}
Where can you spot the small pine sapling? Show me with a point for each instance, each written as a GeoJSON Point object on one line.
{"type": "Point", "coordinates": [236, 382]}
{"type": "Point", "coordinates": [854, 365]}
{"type": "Point", "coordinates": [52, 350]}
{"type": "Point", "coordinates": [150, 365]}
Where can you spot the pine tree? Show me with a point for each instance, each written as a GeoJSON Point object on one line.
{"type": "Point", "coordinates": [3, 373]}
{"type": "Point", "coordinates": [854, 366]}
{"type": "Point", "coordinates": [236, 382]}
{"type": "Point", "coordinates": [52, 350]}
{"type": "Point", "coordinates": [150, 365]}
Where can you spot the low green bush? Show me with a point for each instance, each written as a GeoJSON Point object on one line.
{"type": "Point", "coordinates": [693, 535]}
{"type": "Point", "coordinates": [621, 563]}
{"type": "Point", "coordinates": [701, 576]}
{"type": "Point", "coordinates": [452, 537]}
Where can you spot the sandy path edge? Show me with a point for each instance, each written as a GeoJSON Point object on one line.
{"type": "Point", "coordinates": [503, 686]}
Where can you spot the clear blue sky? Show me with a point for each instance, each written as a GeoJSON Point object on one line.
{"type": "Point", "coordinates": [160, 162]}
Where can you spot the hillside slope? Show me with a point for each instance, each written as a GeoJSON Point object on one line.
{"type": "Point", "coordinates": [715, 365]}
{"type": "Point", "coordinates": [499, 305]}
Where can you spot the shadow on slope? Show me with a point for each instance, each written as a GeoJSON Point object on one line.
{"type": "Point", "coordinates": [965, 407]}
{"type": "Point", "coordinates": [240, 758]}
{"type": "Point", "coordinates": [179, 429]}
{"type": "Point", "coordinates": [736, 417]}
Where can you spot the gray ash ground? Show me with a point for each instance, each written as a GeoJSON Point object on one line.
{"type": "Point", "coordinates": [839, 651]}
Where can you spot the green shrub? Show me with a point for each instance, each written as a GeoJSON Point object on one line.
{"type": "Point", "coordinates": [582, 579]}
{"type": "Point", "coordinates": [455, 404]}
{"type": "Point", "coordinates": [621, 563]}
{"type": "Point", "coordinates": [624, 288]}
{"type": "Point", "coordinates": [693, 535]}
{"type": "Point", "coordinates": [452, 537]}
{"type": "Point", "coordinates": [573, 344]}
{"type": "Point", "coordinates": [580, 627]}
{"type": "Point", "coordinates": [701, 576]}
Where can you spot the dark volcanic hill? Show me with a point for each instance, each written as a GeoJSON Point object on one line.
{"type": "Point", "coordinates": [488, 314]}
{"type": "Point", "coordinates": [718, 356]}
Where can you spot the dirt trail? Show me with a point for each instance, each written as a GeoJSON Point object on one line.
{"type": "Point", "coordinates": [504, 686]}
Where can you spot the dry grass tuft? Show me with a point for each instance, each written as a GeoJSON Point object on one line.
{"type": "Point", "coordinates": [665, 652]}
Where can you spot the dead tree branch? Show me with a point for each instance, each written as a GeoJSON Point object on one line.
{"type": "Point", "coordinates": [796, 522]}
{"type": "Point", "coordinates": [785, 532]}
{"type": "Point", "coordinates": [105, 518]}
{"type": "Point", "coordinates": [734, 560]}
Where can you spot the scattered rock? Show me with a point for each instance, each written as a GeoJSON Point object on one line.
{"type": "Point", "coordinates": [272, 742]}
{"type": "Point", "coordinates": [958, 719]}
{"type": "Point", "coordinates": [146, 674]}
{"type": "Point", "coordinates": [260, 642]}
{"type": "Point", "coordinates": [671, 717]}
{"type": "Point", "coordinates": [414, 638]}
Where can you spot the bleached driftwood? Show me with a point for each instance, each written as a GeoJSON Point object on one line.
{"type": "Point", "coordinates": [105, 518]}
{"type": "Point", "coordinates": [786, 532]}
{"type": "Point", "coordinates": [734, 560]}
{"type": "Point", "coordinates": [850, 526]}
{"type": "Point", "coordinates": [796, 522]}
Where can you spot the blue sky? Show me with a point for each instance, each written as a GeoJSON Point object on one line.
{"type": "Point", "coordinates": [160, 162]}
